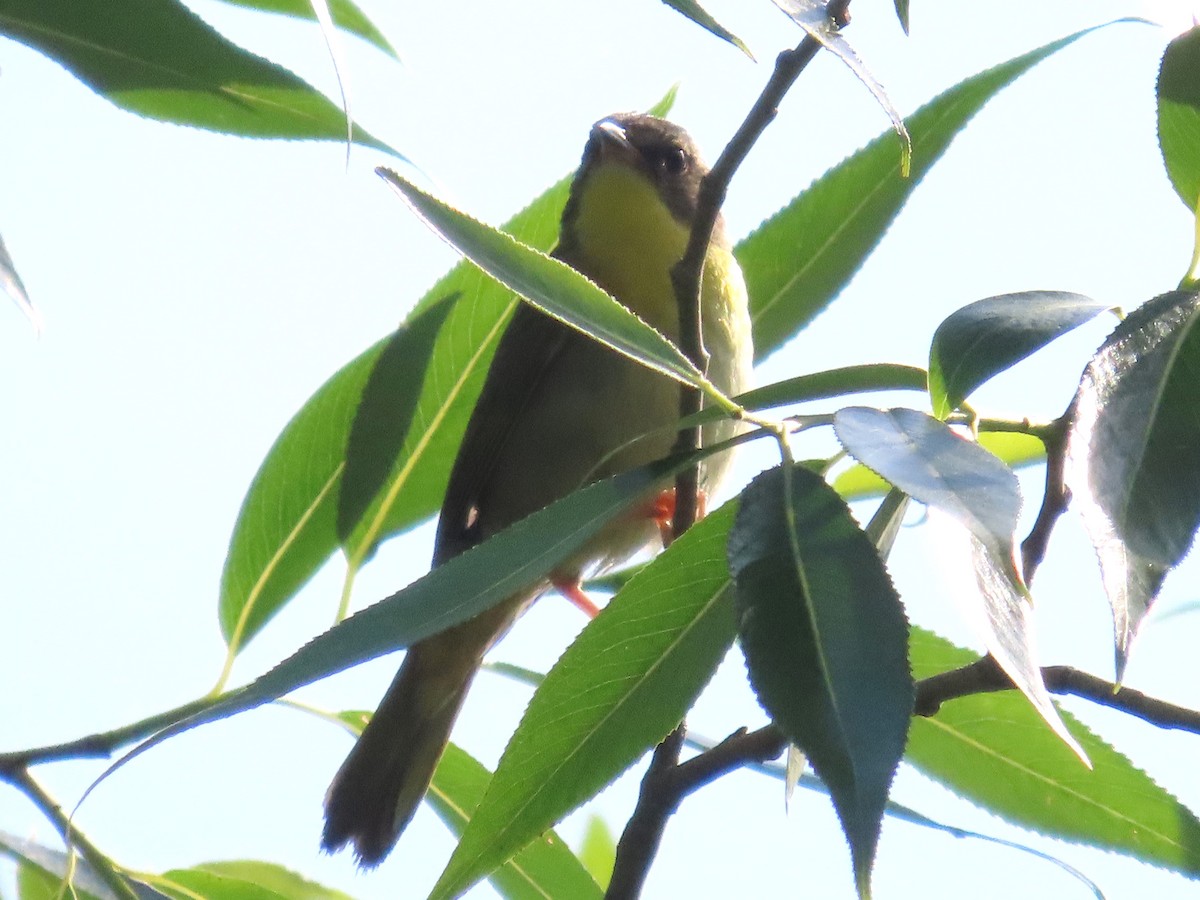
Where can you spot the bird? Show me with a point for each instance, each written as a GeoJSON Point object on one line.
{"type": "Point", "coordinates": [557, 410]}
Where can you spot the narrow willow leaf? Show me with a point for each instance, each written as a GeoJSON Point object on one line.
{"type": "Point", "coordinates": [243, 880]}
{"type": "Point", "coordinates": [1131, 455]}
{"type": "Point", "coordinates": [545, 868]}
{"type": "Point", "coordinates": [10, 283]}
{"type": "Point", "coordinates": [34, 883]}
{"type": "Point", "coordinates": [1013, 448]}
{"type": "Point", "coordinates": [37, 882]}
{"type": "Point", "coordinates": [1179, 116]}
{"type": "Point", "coordinates": [813, 16]}
{"type": "Point", "coordinates": [158, 59]}
{"type": "Point", "coordinates": [346, 15]}
{"type": "Point", "coordinates": [992, 750]}
{"type": "Point", "coordinates": [287, 527]}
{"type": "Point", "coordinates": [797, 261]}
{"type": "Point", "coordinates": [700, 16]}
{"type": "Point", "coordinates": [598, 851]}
{"type": "Point", "coordinates": [625, 682]}
{"type": "Point", "coordinates": [552, 286]}
{"type": "Point", "coordinates": [902, 14]}
{"type": "Point", "coordinates": [988, 336]}
{"type": "Point", "coordinates": [825, 640]}
{"type": "Point", "coordinates": [517, 559]}
{"type": "Point", "coordinates": [835, 383]}
{"type": "Point", "coordinates": [385, 413]}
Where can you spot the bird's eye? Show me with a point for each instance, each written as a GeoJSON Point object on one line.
{"type": "Point", "coordinates": [673, 160]}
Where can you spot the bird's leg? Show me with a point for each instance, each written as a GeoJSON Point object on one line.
{"type": "Point", "coordinates": [572, 590]}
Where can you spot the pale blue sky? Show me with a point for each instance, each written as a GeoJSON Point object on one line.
{"type": "Point", "coordinates": [197, 288]}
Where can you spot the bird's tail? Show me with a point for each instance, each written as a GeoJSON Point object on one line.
{"type": "Point", "coordinates": [377, 790]}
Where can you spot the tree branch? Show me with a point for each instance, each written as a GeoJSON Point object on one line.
{"type": "Point", "coordinates": [668, 782]}
{"type": "Point", "coordinates": [1055, 499]}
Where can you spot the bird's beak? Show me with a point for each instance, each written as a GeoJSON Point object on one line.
{"type": "Point", "coordinates": [611, 141]}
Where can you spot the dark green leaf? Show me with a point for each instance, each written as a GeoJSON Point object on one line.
{"type": "Point", "coordinates": [545, 868]}
{"type": "Point", "coordinates": [1179, 116]}
{"type": "Point", "coordinates": [825, 640]}
{"type": "Point", "coordinates": [902, 14]}
{"type": "Point", "coordinates": [835, 383]}
{"type": "Point", "coordinates": [984, 338]}
{"type": "Point", "coordinates": [381, 423]}
{"type": "Point", "coordinates": [551, 285]}
{"type": "Point", "coordinates": [801, 258]}
{"type": "Point", "coordinates": [993, 750]}
{"type": "Point", "coordinates": [625, 682]}
{"type": "Point", "coordinates": [158, 59]}
{"type": "Point", "coordinates": [1132, 464]}
{"type": "Point", "coordinates": [346, 16]}
{"type": "Point", "coordinates": [700, 16]}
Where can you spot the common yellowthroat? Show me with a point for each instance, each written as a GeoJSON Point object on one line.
{"type": "Point", "coordinates": [557, 411]}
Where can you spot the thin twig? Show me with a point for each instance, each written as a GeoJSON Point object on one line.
{"type": "Point", "coordinates": [73, 837]}
{"type": "Point", "coordinates": [657, 801]}
{"type": "Point", "coordinates": [100, 745]}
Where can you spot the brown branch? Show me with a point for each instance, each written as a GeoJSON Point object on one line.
{"type": "Point", "coordinates": [657, 801]}
{"type": "Point", "coordinates": [668, 782]}
{"type": "Point", "coordinates": [1055, 499]}
{"type": "Point", "coordinates": [985, 676]}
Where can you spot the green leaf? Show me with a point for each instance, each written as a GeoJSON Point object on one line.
{"type": "Point", "coordinates": [798, 261]}
{"type": "Point", "coordinates": [552, 286]}
{"type": "Point", "coordinates": [902, 13]}
{"type": "Point", "coordinates": [514, 560]}
{"type": "Point", "coordinates": [988, 336]}
{"type": "Point", "coordinates": [158, 59]}
{"type": "Point", "coordinates": [992, 750]}
{"type": "Point", "coordinates": [346, 15]}
{"type": "Point", "coordinates": [598, 853]}
{"type": "Point", "coordinates": [287, 527]}
{"type": "Point", "coordinates": [1012, 447]}
{"type": "Point", "coordinates": [1131, 460]}
{"type": "Point", "coordinates": [623, 685]}
{"type": "Point", "coordinates": [385, 413]}
{"type": "Point", "coordinates": [36, 883]}
{"type": "Point", "coordinates": [825, 640]}
{"type": "Point", "coordinates": [1179, 116]}
{"type": "Point", "coordinates": [835, 383]}
{"type": "Point", "coordinates": [700, 16]}
{"type": "Point", "coordinates": [545, 868]}
{"type": "Point", "coordinates": [933, 465]}
{"type": "Point", "coordinates": [243, 880]}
